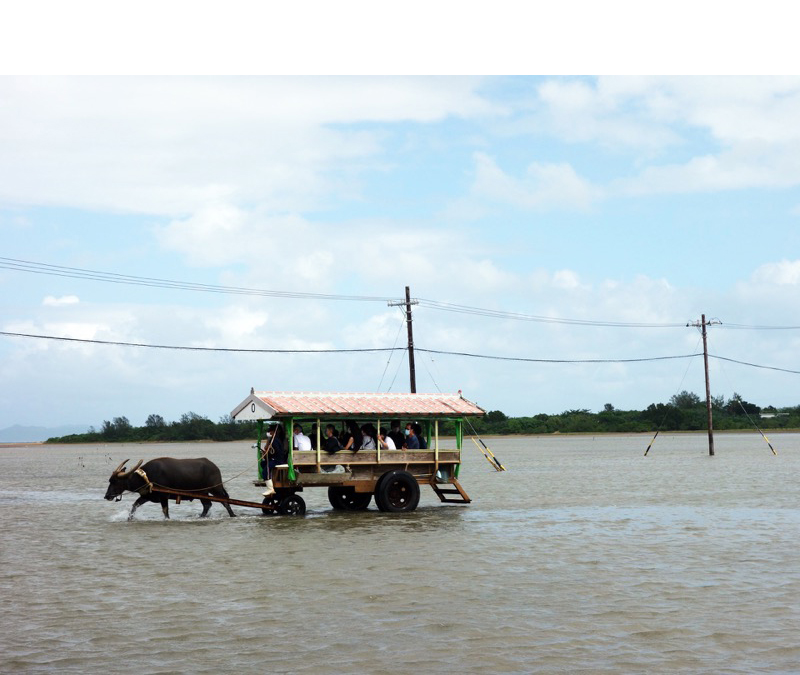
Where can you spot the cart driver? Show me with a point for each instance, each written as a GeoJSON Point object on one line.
{"type": "Point", "coordinates": [274, 453]}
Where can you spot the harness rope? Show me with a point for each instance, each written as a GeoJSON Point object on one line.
{"type": "Point", "coordinates": [148, 486]}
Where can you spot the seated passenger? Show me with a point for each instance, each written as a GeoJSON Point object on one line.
{"type": "Point", "coordinates": [368, 438]}
{"type": "Point", "coordinates": [301, 441]}
{"type": "Point", "coordinates": [423, 444]}
{"type": "Point", "coordinates": [354, 437]}
{"type": "Point", "coordinates": [331, 443]}
{"type": "Point", "coordinates": [396, 435]}
{"type": "Point", "coordinates": [386, 441]}
{"type": "Point", "coordinates": [412, 442]}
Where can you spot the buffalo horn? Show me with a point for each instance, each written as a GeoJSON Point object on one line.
{"type": "Point", "coordinates": [119, 468]}
{"type": "Point", "coordinates": [128, 473]}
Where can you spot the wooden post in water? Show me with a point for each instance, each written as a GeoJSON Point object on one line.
{"type": "Point", "coordinates": [702, 326]}
{"type": "Point", "coordinates": [708, 389]}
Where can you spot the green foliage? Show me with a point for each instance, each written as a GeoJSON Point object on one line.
{"type": "Point", "coordinates": [685, 412]}
{"type": "Point", "coordinates": [155, 421]}
{"type": "Point", "coordinates": [686, 399]}
{"type": "Point", "coordinates": [738, 406]}
{"type": "Point", "coordinates": [190, 427]}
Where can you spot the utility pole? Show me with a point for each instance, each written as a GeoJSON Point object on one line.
{"type": "Point", "coordinates": [702, 325]}
{"type": "Point", "coordinates": [411, 369]}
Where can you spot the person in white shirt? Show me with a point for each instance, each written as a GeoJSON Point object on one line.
{"type": "Point", "coordinates": [386, 440]}
{"type": "Point", "coordinates": [301, 441]}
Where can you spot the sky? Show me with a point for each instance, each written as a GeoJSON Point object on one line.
{"type": "Point", "coordinates": [566, 201]}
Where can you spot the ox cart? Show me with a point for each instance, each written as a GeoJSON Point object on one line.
{"type": "Point", "coordinates": [353, 478]}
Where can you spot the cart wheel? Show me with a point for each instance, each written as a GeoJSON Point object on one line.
{"type": "Point", "coordinates": [397, 491]}
{"type": "Point", "coordinates": [345, 498]}
{"type": "Point", "coordinates": [272, 503]}
{"type": "Point", "coordinates": [293, 505]}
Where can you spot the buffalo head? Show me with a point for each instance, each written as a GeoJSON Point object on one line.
{"type": "Point", "coordinates": [118, 482]}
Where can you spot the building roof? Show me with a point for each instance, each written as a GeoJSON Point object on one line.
{"type": "Point", "coordinates": [266, 404]}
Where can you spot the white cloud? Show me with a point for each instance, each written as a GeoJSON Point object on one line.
{"type": "Point", "coordinates": [742, 168]}
{"type": "Point", "coordinates": [51, 301]}
{"type": "Point", "coordinates": [646, 112]}
{"type": "Point", "coordinates": [783, 273]}
{"type": "Point", "coordinates": [543, 186]}
{"type": "Point", "coordinates": [235, 322]}
{"type": "Point", "coordinates": [290, 251]}
{"type": "Point", "coordinates": [77, 330]}
{"type": "Point", "coordinates": [566, 279]}
{"type": "Point", "coordinates": [580, 111]}
{"type": "Point", "coordinates": [174, 145]}
{"type": "Point", "coordinates": [752, 139]}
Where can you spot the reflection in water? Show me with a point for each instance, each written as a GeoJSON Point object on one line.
{"type": "Point", "coordinates": [584, 556]}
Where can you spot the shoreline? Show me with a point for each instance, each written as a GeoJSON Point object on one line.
{"type": "Point", "coordinates": [579, 434]}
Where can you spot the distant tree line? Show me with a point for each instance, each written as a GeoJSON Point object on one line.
{"type": "Point", "coordinates": [685, 411]}
{"type": "Point", "coordinates": [190, 427]}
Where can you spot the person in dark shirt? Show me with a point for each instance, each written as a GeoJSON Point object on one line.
{"type": "Point", "coordinates": [331, 443]}
{"type": "Point", "coordinates": [275, 453]}
{"type": "Point", "coordinates": [412, 442]}
{"type": "Point", "coordinates": [423, 444]}
{"type": "Point", "coordinates": [354, 437]}
{"type": "Point", "coordinates": [396, 435]}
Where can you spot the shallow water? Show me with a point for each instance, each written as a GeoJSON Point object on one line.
{"type": "Point", "coordinates": [583, 557]}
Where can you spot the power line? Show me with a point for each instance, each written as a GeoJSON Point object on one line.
{"type": "Point", "coordinates": [741, 326]}
{"type": "Point", "coordinates": [334, 351]}
{"type": "Point", "coordinates": [203, 349]}
{"type": "Point", "coordinates": [517, 316]}
{"type": "Point", "coordinates": [384, 349]}
{"type": "Point", "coordinates": [754, 365]}
{"type": "Point", "coordinates": [131, 280]}
{"type": "Point", "coordinates": [33, 267]}
{"type": "Point", "coordinates": [532, 360]}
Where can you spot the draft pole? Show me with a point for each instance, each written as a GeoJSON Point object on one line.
{"type": "Point", "coordinates": [702, 325]}
{"type": "Point", "coordinates": [411, 369]}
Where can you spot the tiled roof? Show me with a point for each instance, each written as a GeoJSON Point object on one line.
{"type": "Point", "coordinates": [387, 404]}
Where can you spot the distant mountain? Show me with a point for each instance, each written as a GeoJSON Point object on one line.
{"type": "Point", "coordinates": [20, 434]}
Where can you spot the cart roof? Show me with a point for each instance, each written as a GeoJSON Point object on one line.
{"type": "Point", "coordinates": [268, 404]}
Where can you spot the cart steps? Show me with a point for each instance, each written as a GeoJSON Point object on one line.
{"type": "Point", "coordinates": [444, 491]}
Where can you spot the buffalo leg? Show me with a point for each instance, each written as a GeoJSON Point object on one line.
{"type": "Point", "coordinates": [165, 507]}
{"type": "Point", "coordinates": [206, 506]}
{"type": "Point", "coordinates": [222, 492]}
{"type": "Point", "coordinates": [136, 505]}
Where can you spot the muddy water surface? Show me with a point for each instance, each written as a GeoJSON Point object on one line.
{"type": "Point", "coordinates": [583, 557]}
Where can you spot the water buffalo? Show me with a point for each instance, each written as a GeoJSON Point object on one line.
{"type": "Point", "coordinates": [197, 475]}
